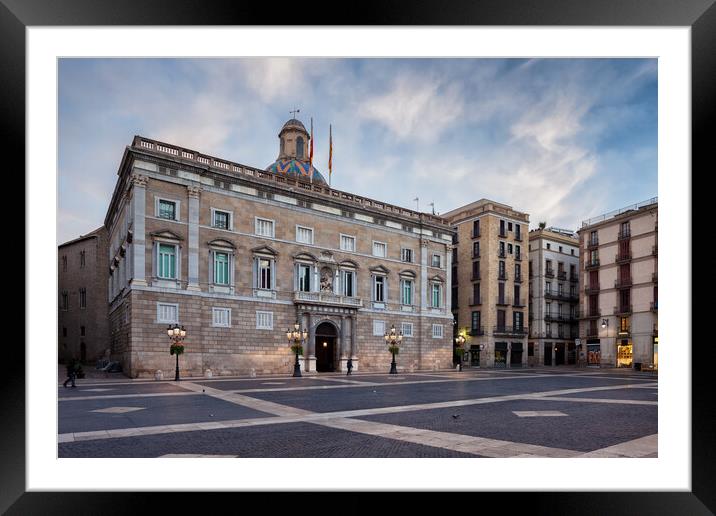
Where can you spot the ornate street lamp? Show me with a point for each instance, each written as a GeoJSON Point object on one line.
{"type": "Point", "coordinates": [176, 335]}
{"type": "Point", "coordinates": [296, 339]}
{"type": "Point", "coordinates": [393, 340]}
{"type": "Point", "coordinates": [459, 342]}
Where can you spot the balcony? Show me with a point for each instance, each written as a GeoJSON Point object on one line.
{"type": "Point", "coordinates": [326, 298]}
{"type": "Point", "coordinates": [592, 288]}
{"type": "Point", "coordinates": [501, 254]}
{"type": "Point", "coordinates": [518, 257]}
{"type": "Point", "coordinates": [561, 275]}
{"type": "Point", "coordinates": [623, 310]}
{"type": "Point", "coordinates": [592, 264]}
{"type": "Point", "coordinates": [556, 317]}
{"type": "Point", "coordinates": [624, 331]}
{"type": "Point", "coordinates": [475, 234]}
{"type": "Point", "coordinates": [574, 278]}
{"type": "Point", "coordinates": [502, 234]}
{"type": "Point", "coordinates": [590, 314]}
{"type": "Point", "coordinates": [624, 234]}
{"type": "Point", "coordinates": [592, 332]}
{"type": "Point", "coordinates": [476, 332]}
{"type": "Point", "coordinates": [502, 276]}
{"type": "Point", "coordinates": [593, 243]}
{"type": "Point", "coordinates": [474, 277]}
{"type": "Point", "coordinates": [518, 237]}
{"type": "Point", "coordinates": [518, 331]}
{"type": "Point", "coordinates": [504, 301]}
{"type": "Point", "coordinates": [519, 303]}
{"type": "Point", "coordinates": [560, 296]}
{"type": "Point", "coordinates": [622, 282]}
{"type": "Point", "coordinates": [476, 254]}
{"type": "Point", "coordinates": [622, 257]}
{"type": "Point", "coordinates": [475, 301]}
{"type": "Point", "coordinates": [518, 279]}
{"type": "Point", "coordinates": [549, 273]}
{"type": "Point", "coordinates": [654, 306]}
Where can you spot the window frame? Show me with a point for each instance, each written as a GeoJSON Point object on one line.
{"type": "Point", "coordinates": [159, 244]}
{"type": "Point", "coordinates": [214, 310]}
{"type": "Point", "coordinates": [441, 332]}
{"type": "Point", "coordinates": [385, 249]}
{"type": "Point", "coordinates": [298, 226]}
{"type": "Point", "coordinates": [230, 222]}
{"type": "Point", "coordinates": [177, 207]}
{"type": "Point", "coordinates": [166, 321]}
{"type": "Point", "coordinates": [260, 313]}
{"type": "Point", "coordinates": [262, 219]}
{"type": "Point", "coordinates": [403, 326]}
{"type": "Point", "coordinates": [340, 242]}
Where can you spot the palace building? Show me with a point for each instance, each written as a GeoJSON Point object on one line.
{"type": "Point", "coordinates": [238, 254]}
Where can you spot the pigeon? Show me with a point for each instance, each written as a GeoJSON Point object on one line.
{"type": "Point", "coordinates": [455, 416]}
{"type": "Point", "coordinates": [203, 390]}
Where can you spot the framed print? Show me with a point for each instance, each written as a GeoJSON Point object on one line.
{"type": "Point", "coordinates": [151, 125]}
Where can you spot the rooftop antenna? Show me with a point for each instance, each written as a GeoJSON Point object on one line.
{"type": "Point", "coordinates": [417, 201]}
{"type": "Point", "coordinates": [433, 206]}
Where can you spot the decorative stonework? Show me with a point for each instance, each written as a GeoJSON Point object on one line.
{"type": "Point", "coordinates": [193, 190]}
{"type": "Point", "coordinates": [139, 180]}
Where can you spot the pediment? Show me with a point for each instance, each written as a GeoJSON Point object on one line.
{"type": "Point", "coordinates": [348, 263]}
{"type": "Point", "coordinates": [380, 269]}
{"type": "Point", "coordinates": [304, 256]}
{"type": "Point", "coordinates": [264, 249]}
{"type": "Point", "coordinates": [221, 242]}
{"type": "Point", "coordinates": [437, 279]}
{"type": "Point", "coordinates": [408, 273]}
{"type": "Point", "coordinates": [166, 235]}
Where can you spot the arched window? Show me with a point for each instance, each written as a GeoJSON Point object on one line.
{"type": "Point", "coordinates": [283, 146]}
{"type": "Point", "coordinates": [299, 147]}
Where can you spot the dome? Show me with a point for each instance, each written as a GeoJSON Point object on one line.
{"type": "Point", "coordinates": [295, 168]}
{"type": "Point", "coordinates": [294, 123]}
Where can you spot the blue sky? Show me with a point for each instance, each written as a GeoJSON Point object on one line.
{"type": "Point", "coordinates": [561, 139]}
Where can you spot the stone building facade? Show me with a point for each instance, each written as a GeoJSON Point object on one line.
{"type": "Point", "coordinates": [618, 287]}
{"type": "Point", "coordinates": [238, 254]}
{"type": "Point", "coordinates": [489, 293]}
{"type": "Point", "coordinates": [553, 297]}
{"type": "Point", "coordinates": [83, 330]}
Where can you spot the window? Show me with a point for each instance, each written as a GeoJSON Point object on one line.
{"type": "Point", "coordinates": [82, 331]}
{"type": "Point", "coordinates": [299, 147]}
{"type": "Point", "coordinates": [509, 226]}
{"type": "Point", "coordinates": [476, 228]}
{"type": "Point", "coordinates": [64, 263]}
{"type": "Point", "coordinates": [501, 293]}
{"type": "Point", "coordinates": [476, 294]}
{"type": "Point", "coordinates": [264, 320]}
{"type": "Point", "coordinates": [303, 279]}
{"type": "Point", "coordinates": [517, 320]}
{"type": "Point", "coordinates": [264, 276]}
{"type": "Point", "coordinates": [167, 313]}
{"type": "Point", "coordinates": [221, 317]}
{"type": "Point", "coordinates": [593, 239]}
{"type": "Point", "coordinates": [166, 265]}
{"type": "Point", "coordinates": [476, 249]}
{"type": "Point", "coordinates": [437, 331]}
{"type": "Point", "coordinates": [264, 227]}
{"type": "Point", "coordinates": [549, 246]}
{"type": "Point", "coordinates": [518, 233]}
{"type": "Point", "coordinates": [82, 259]}
{"type": "Point", "coordinates": [518, 252]}
{"type": "Point", "coordinates": [518, 271]}
{"type": "Point", "coordinates": [509, 248]}
{"type": "Point", "coordinates": [516, 291]}
{"type": "Point", "coordinates": [476, 269]}
{"type": "Point", "coordinates": [436, 260]}
{"type": "Point", "coordinates": [379, 289]}
{"type": "Point", "coordinates": [572, 251]}
{"type": "Point", "coordinates": [221, 268]}
{"type": "Point", "coordinates": [548, 287]}
{"type": "Point", "coordinates": [475, 321]}
{"type": "Point", "coordinates": [502, 228]}
{"type": "Point", "coordinates": [304, 235]}
{"type": "Point", "coordinates": [436, 294]}
{"type": "Point", "coordinates": [221, 219]}
{"type": "Point", "coordinates": [406, 292]}
{"type": "Point", "coordinates": [379, 328]}
{"type": "Point", "coordinates": [623, 324]}
{"type": "Point", "coordinates": [501, 270]}
{"type": "Point", "coordinates": [347, 283]}
{"type": "Point", "coordinates": [406, 255]}
{"type": "Point", "coordinates": [379, 249]}
{"type": "Point", "coordinates": [167, 209]}
{"type": "Point", "coordinates": [501, 250]}
{"type": "Point", "coordinates": [348, 243]}
{"type": "Point", "coordinates": [407, 329]}
{"type": "Point", "coordinates": [83, 298]}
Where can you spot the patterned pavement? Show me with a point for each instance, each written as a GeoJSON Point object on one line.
{"type": "Point", "coordinates": [561, 412]}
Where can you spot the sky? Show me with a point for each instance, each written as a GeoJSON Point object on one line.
{"type": "Point", "coordinates": [563, 140]}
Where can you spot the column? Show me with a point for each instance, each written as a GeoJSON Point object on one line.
{"type": "Point", "coordinates": [138, 207]}
{"type": "Point", "coordinates": [193, 192]}
{"type": "Point", "coordinates": [448, 279]}
{"type": "Point", "coordinates": [310, 351]}
{"type": "Point", "coordinates": [342, 358]}
{"type": "Point", "coordinates": [423, 274]}
{"type": "Point", "coordinates": [354, 342]}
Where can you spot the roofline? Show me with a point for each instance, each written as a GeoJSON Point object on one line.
{"type": "Point", "coordinates": [454, 214]}
{"type": "Point", "coordinates": [91, 234]}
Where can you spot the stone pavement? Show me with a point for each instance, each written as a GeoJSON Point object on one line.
{"type": "Point", "coordinates": [562, 412]}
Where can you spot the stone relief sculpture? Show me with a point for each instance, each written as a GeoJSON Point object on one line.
{"type": "Point", "coordinates": [326, 282]}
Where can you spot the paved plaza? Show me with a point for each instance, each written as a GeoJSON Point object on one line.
{"type": "Point", "coordinates": [559, 412]}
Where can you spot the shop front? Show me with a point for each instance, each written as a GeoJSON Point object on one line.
{"type": "Point", "coordinates": [516, 354]}
{"type": "Point", "coordinates": [594, 353]}
{"type": "Point", "coordinates": [500, 355]}
{"type": "Point", "coordinates": [625, 353]}
{"type": "Point", "coordinates": [474, 359]}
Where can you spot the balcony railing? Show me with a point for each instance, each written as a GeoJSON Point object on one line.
{"type": "Point", "coordinates": [474, 301]}
{"type": "Point", "coordinates": [518, 257]}
{"type": "Point", "coordinates": [501, 254]}
{"type": "Point", "coordinates": [623, 310]}
{"type": "Point", "coordinates": [474, 277]}
{"type": "Point", "coordinates": [502, 234]}
{"type": "Point", "coordinates": [503, 301]}
{"type": "Point", "coordinates": [590, 314]}
{"type": "Point", "coordinates": [518, 279]}
{"type": "Point", "coordinates": [502, 275]}
{"type": "Point", "coordinates": [592, 288]}
{"type": "Point", "coordinates": [327, 298]}
{"type": "Point", "coordinates": [591, 264]}
{"type": "Point", "coordinates": [475, 234]}
{"type": "Point", "coordinates": [519, 303]}
{"type": "Point", "coordinates": [562, 275]}
{"type": "Point", "coordinates": [622, 282]}
{"type": "Point", "coordinates": [509, 330]}
{"type": "Point", "coordinates": [654, 306]}
{"type": "Point", "coordinates": [551, 294]}
{"type": "Point", "coordinates": [593, 243]}
{"type": "Point", "coordinates": [476, 332]}
{"type": "Point", "coordinates": [624, 331]}
{"type": "Point", "coordinates": [549, 273]}
{"type": "Point", "coordinates": [574, 278]}
{"type": "Point", "coordinates": [518, 237]}
{"type": "Point", "coordinates": [475, 254]}
{"type": "Point", "coordinates": [624, 234]}
{"type": "Point", "coordinates": [622, 257]}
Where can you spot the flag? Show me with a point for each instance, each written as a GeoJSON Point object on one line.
{"type": "Point", "coordinates": [310, 156]}
{"type": "Point", "coordinates": [330, 153]}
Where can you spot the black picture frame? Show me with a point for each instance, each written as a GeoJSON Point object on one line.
{"type": "Point", "coordinates": [700, 15]}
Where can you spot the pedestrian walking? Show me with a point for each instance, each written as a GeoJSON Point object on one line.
{"type": "Point", "coordinates": [349, 366]}
{"type": "Point", "coordinates": [72, 367]}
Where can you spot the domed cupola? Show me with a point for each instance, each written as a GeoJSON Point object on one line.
{"type": "Point", "coordinates": [293, 156]}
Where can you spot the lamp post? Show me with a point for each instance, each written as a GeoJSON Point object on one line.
{"type": "Point", "coordinates": [459, 342]}
{"type": "Point", "coordinates": [296, 339]}
{"type": "Point", "coordinates": [176, 334]}
{"type": "Point", "coordinates": [393, 340]}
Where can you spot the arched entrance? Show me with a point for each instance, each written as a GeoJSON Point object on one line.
{"type": "Point", "coordinates": [325, 347]}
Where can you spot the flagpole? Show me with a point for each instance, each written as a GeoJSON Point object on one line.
{"type": "Point", "coordinates": [330, 153]}
{"type": "Point", "coordinates": [311, 153]}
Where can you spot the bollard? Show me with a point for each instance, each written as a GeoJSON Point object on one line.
{"type": "Point", "coordinates": [158, 374]}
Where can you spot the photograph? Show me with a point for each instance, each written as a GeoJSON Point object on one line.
{"type": "Point", "coordinates": [357, 257]}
